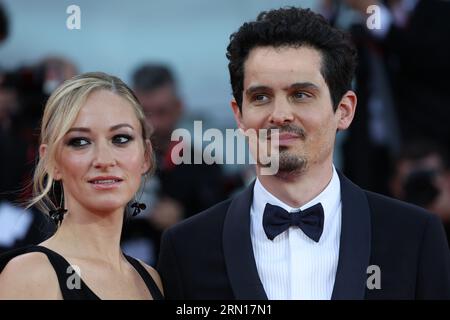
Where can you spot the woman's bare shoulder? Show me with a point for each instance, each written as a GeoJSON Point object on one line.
{"type": "Point", "coordinates": [29, 276]}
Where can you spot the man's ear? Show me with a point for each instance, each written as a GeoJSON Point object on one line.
{"type": "Point", "coordinates": [43, 152]}
{"type": "Point", "coordinates": [237, 115]}
{"type": "Point", "coordinates": [148, 156]}
{"type": "Point", "coordinates": [346, 110]}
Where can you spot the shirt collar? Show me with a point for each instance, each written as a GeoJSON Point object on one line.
{"type": "Point", "coordinates": [330, 198]}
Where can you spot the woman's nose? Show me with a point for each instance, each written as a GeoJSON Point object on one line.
{"type": "Point", "coordinates": [104, 157]}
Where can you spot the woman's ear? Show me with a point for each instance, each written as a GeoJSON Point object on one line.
{"type": "Point", "coordinates": [43, 153]}
{"type": "Point", "coordinates": [148, 157]}
{"type": "Point", "coordinates": [42, 150]}
{"type": "Point", "coordinates": [346, 110]}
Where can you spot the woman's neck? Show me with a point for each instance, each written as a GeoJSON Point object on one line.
{"type": "Point", "coordinates": [85, 235]}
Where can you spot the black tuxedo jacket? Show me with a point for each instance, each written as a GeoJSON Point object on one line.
{"type": "Point", "coordinates": [210, 255]}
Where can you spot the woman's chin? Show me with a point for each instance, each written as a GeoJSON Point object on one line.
{"type": "Point", "coordinates": [108, 207]}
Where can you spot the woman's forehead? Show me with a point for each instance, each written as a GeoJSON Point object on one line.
{"type": "Point", "coordinates": [104, 109]}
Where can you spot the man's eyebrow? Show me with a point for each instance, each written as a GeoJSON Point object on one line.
{"type": "Point", "coordinates": [254, 89]}
{"type": "Point", "coordinates": [303, 85]}
{"type": "Point", "coordinates": [113, 128]}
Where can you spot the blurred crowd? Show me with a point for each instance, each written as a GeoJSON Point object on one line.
{"type": "Point", "coordinates": [397, 144]}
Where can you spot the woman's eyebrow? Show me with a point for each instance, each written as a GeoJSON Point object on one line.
{"type": "Point", "coordinates": [121, 125]}
{"type": "Point", "coordinates": [113, 128]}
{"type": "Point", "coordinates": [81, 129]}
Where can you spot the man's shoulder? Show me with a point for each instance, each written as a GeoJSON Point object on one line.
{"type": "Point", "coordinates": [211, 218]}
{"type": "Point", "coordinates": [392, 210]}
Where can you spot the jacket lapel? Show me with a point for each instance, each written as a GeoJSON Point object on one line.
{"type": "Point", "coordinates": [238, 250]}
{"type": "Point", "coordinates": [354, 248]}
{"type": "Point", "coordinates": [355, 243]}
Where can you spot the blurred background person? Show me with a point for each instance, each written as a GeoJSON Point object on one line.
{"type": "Point", "coordinates": [177, 191]}
{"type": "Point", "coordinates": [413, 37]}
{"type": "Point", "coordinates": [374, 135]}
{"type": "Point", "coordinates": [17, 226]}
{"type": "Point", "coordinates": [23, 93]}
{"type": "Point", "coordinates": [401, 80]}
{"type": "Point", "coordinates": [422, 176]}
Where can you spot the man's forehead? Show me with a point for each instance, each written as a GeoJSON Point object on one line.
{"type": "Point", "coordinates": [285, 66]}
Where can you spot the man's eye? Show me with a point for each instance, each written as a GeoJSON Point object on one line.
{"type": "Point", "coordinates": [78, 142]}
{"type": "Point", "coordinates": [122, 139]}
{"type": "Point", "coordinates": [260, 98]}
{"type": "Point", "coordinates": [301, 95]}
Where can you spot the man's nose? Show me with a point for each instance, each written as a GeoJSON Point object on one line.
{"type": "Point", "coordinates": [104, 156]}
{"type": "Point", "coordinates": [282, 112]}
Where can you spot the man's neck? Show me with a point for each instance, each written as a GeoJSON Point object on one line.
{"type": "Point", "coordinates": [297, 189]}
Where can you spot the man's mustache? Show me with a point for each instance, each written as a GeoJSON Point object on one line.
{"type": "Point", "coordinates": [289, 128]}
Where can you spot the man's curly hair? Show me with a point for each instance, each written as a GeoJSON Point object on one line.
{"type": "Point", "coordinates": [294, 27]}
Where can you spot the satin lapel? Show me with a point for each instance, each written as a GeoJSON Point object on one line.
{"type": "Point", "coordinates": [238, 250]}
{"type": "Point", "coordinates": [355, 243]}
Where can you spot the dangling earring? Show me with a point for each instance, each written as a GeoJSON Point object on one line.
{"type": "Point", "coordinates": [138, 206]}
{"type": "Point", "coordinates": [57, 215]}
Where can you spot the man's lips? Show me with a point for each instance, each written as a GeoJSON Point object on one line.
{"type": "Point", "coordinates": [284, 136]}
{"type": "Point", "coordinates": [287, 136]}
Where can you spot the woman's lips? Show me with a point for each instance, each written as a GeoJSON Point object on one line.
{"type": "Point", "coordinates": [105, 183]}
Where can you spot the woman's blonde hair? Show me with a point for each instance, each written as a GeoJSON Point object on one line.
{"type": "Point", "coordinates": [60, 113]}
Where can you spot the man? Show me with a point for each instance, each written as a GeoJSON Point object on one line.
{"type": "Point", "coordinates": [306, 232]}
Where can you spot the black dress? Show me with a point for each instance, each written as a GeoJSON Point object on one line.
{"type": "Point", "coordinates": [61, 267]}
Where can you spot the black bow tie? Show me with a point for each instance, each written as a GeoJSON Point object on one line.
{"type": "Point", "coordinates": [277, 220]}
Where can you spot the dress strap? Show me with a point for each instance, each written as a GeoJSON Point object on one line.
{"type": "Point", "coordinates": [62, 268]}
{"type": "Point", "coordinates": [145, 275]}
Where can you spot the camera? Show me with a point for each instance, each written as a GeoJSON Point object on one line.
{"type": "Point", "coordinates": [420, 187]}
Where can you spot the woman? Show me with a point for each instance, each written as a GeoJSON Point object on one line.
{"type": "Point", "coordinates": [94, 150]}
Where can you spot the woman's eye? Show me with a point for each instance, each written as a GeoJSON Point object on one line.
{"type": "Point", "coordinates": [78, 142]}
{"type": "Point", "coordinates": [122, 139]}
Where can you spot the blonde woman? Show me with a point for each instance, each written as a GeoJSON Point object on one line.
{"type": "Point", "coordinates": [94, 150]}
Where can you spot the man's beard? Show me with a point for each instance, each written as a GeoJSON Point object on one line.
{"type": "Point", "coordinates": [291, 163]}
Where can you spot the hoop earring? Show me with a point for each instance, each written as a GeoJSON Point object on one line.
{"type": "Point", "coordinates": [57, 215]}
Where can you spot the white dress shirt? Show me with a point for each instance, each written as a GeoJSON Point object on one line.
{"type": "Point", "coordinates": [293, 266]}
